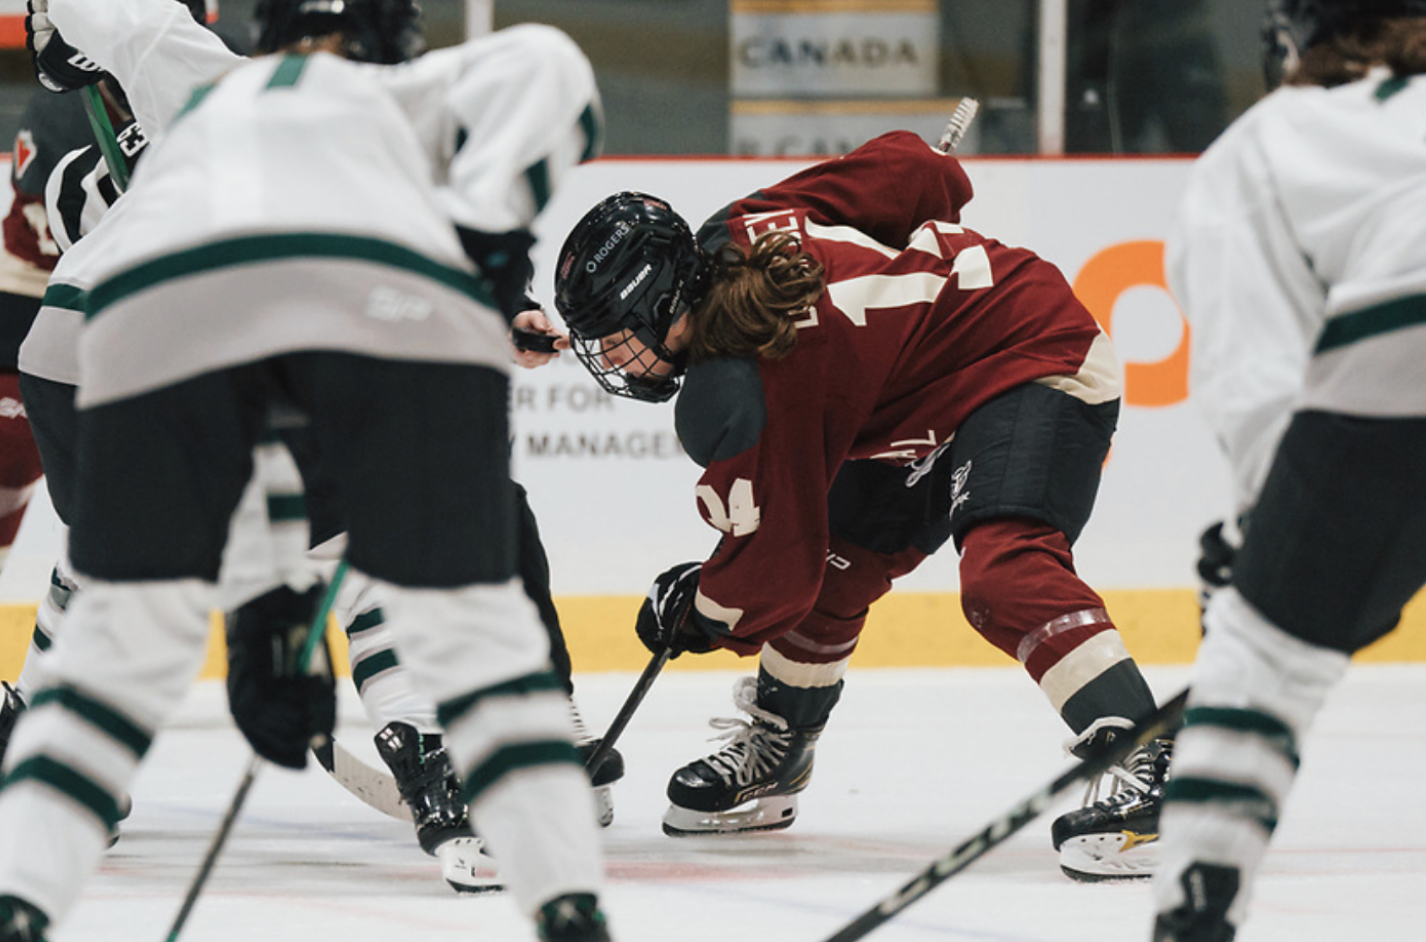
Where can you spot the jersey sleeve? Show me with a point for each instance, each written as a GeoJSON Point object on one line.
{"type": "Point", "coordinates": [886, 189]}
{"type": "Point", "coordinates": [1252, 303]}
{"type": "Point", "coordinates": [79, 193]}
{"type": "Point", "coordinates": [764, 489]}
{"type": "Point", "coordinates": [504, 118]}
{"type": "Point", "coordinates": [154, 48]}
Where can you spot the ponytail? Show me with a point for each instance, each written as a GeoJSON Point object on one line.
{"type": "Point", "coordinates": [756, 297]}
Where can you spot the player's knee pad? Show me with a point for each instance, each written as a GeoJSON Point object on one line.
{"type": "Point", "coordinates": [134, 645]}
{"type": "Point", "coordinates": [853, 579]}
{"type": "Point", "coordinates": [1017, 575]}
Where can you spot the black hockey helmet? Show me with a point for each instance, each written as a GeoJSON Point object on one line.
{"type": "Point", "coordinates": [631, 264]}
{"type": "Point", "coordinates": [384, 31]}
{"type": "Point", "coordinates": [1293, 26]}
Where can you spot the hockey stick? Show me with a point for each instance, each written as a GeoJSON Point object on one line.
{"type": "Point", "coordinates": [377, 789]}
{"type": "Point", "coordinates": [1013, 820]}
{"type": "Point", "coordinates": [626, 712]}
{"type": "Point", "coordinates": [373, 786]}
{"type": "Point", "coordinates": [104, 135]}
{"type": "Point", "coordinates": [225, 827]}
{"type": "Point", "coordinates": [958, 125]}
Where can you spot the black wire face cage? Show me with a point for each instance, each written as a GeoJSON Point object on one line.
{"type": "Point", "coordinates": [599, 353]}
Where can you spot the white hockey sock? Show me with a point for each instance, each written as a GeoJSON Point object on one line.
{"type": "Point", "coordinates": [122, 663]}
{"type": "Point", "coordinates": [1256, 691]}
{"type": "Point", "coordinates": [63, 584]}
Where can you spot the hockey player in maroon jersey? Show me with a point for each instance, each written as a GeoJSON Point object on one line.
{"type": "Point", "coordinates": [863, 379]}
{"type": "Point", "coordinates": [50, 127]}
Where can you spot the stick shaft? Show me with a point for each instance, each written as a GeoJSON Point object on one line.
{"type": "Point", "coordinates": [105, 137]}
{"type": "Point", "coordinates": [999, 830]}
{"type": "Point", "coordinates": [626, 713]}
{"type": "Point", "coordinates": [220, 837]}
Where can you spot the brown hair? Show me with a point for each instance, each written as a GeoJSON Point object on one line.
{"type": "Point", "coordinates": [1396, 42]}
{"type": "Point", "coordinates": [756, 296]}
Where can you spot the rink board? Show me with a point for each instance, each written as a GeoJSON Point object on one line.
{"type": "Point", "coordinates": [909, 629]}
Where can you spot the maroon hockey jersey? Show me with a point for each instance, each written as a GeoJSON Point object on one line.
{"type": "Point", "coordinates": [921, 322]}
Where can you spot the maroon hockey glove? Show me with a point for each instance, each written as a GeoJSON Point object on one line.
{"type": "Point", "coordinates": [666, 619]}
{"type": "Point", "coordinates": [280, 709]}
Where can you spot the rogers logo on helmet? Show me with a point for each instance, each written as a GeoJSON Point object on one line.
{"type": "Point", "coordinates": [592, 265]}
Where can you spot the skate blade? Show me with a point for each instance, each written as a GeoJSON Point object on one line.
{"type": "Point", "coordinates": [604, 805]}
{"type": "Point", "coordinates": [761, 814]}
{"type": "Point", "coordinates": [1094, 858]}
{"type": "Point", "coordinates": [467, 868]}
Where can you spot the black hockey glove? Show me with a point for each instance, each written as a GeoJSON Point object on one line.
{"type": "Point", "coordinates": [58, 65]}
{"type": "Point", "coordinates": [504, 259]}
{"type": "Point", "coordinates": [666, 619]}
{"type": "Point", "coordinates": [280, 711]}
{"type": "Point", "coordinates": [1218, 548]}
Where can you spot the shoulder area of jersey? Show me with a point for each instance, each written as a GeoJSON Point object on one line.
{"type": "Point", "coordinates": [721, 410]}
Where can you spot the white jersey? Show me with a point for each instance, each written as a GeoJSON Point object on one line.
{"type": "Point", "coordinates": [341, 179]}
{"type": "Point", "coordinates": [1299, 258]}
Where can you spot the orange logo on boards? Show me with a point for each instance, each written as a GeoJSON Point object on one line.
{"type": "Point", "coordinates": [1099, 285]}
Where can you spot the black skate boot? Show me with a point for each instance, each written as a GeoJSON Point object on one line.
{"type": "Point", "coordinates": [1116, 837]}
{"type": "Point", "coordinates": [429, 787]}
{"type": "Point", "coordinates": [574, 917]}
{"type": "Point", "coordinates": [610, 770]}
{"type": "Point", "coordinates": [11, 706]}
{"type": "Point", "coordinates": [1203, 916]}
{"type": "Point", "coordinates": [751, 784]}
{"type": "Point", "coordinates": [21, 922]}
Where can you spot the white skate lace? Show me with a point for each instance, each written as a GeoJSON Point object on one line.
{"type": "Point", "coordinates": [754, 749]}
{"type": "Point", "coordinates": [1134, 777]}
{"type": "Point", "coordinates": [582, 734]}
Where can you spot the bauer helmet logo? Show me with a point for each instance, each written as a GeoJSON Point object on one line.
{"type": "Point", "coordinates": [635, 281]}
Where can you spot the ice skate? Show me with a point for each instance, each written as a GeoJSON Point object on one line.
{"type": "Point", "coordinates": [429, 787]}
{"type": "Point", "coordinates": [1116, 837]}
{"type": "Point", "coordinates": [21, 922]}
{"type": "Point", "coordinates": [574, 917]}
{"type": "Point", "coordinates": [751, 784]}
{"type": "Point", "coordinates": [1209, 891]}
{"type": "Point", "coordinates": [610, 770]}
